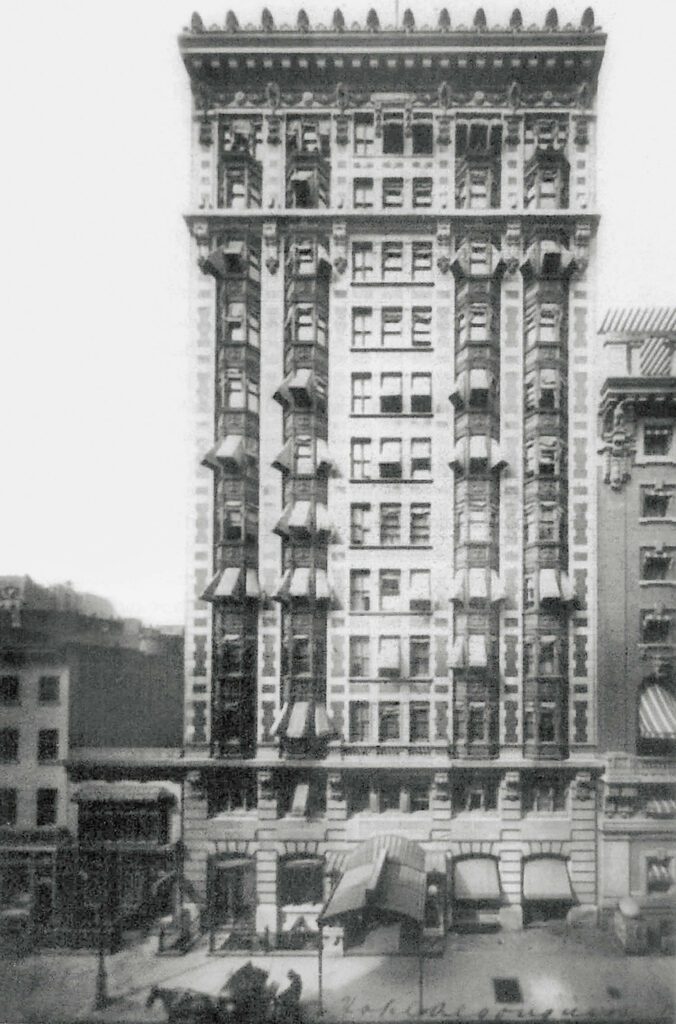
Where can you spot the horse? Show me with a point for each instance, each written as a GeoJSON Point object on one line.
{"type": "Point", "coordinates": [185, 1005]}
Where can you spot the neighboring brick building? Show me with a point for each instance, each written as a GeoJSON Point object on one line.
{"type": "Point", "coordinates": [637, 607]}
{"type": "Point", "coordinates": [76, 682]}
{"type": "Point", "coordinates": [392, 608]}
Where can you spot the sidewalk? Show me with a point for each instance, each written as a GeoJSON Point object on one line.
{"type": "Point", "coordinates": [558, 977]}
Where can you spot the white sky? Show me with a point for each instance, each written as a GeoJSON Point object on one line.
{"type": "Point", "coordinates": [93, 388]}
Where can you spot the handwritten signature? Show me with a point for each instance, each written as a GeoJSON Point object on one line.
{"type": "Point", "coordinates": [392, 1010]}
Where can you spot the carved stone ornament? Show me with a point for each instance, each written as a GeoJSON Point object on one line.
{"type": "Point", "coordinates": [200, 232]}
{"type": "Point", "coordinates": [584, 786]}
{"type": "Point", "coordinates": [511, 787]}
{"type": "Point", "coordinates": [378, 120]}
{"type": "Point", "coordinates": [206, 133]}
{"type": "Point", "coordinates": [581, 132]}
{"type": "Point", "coordinates": [342, 129]}
{"type": "Point", "coordinates": [513, 132]}
{"type": "Point", "coordinates": [512, 248]}
{"type": "Point", "coordinates": [274, 122]}
{"type": "Point", "coordinates": [444, 264]}
{"type": "Point", "coordinates": [444, 260]}
{"type": "Point", "coordinates": [336, 786]}
{"type": "Point", "coordinates": [339, 247]}
{"type": "Point", "coordinates": [266, 789]}
{"type": "Point", "coordinates": [271, 243]}
{"type": "Point", "coordinates": [619, 449]}
{"type": "Point", "coordinates": [444, 130]}
{"type": "Point", "coordinates": [10, 601]}
{"type": "Point", "coordinates": [442, 786]}
{"type": "Point", "coordinates": [340, 265]}
{"type": "Point", "coordinates": [581, 243]}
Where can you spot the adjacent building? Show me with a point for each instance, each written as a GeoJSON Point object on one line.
{"type": "Point", "coordinates": [79, 685]}
{"type": "Point", "coordinates": [391, 620]}
{"type": "Point", "coordinates": [637, 608]}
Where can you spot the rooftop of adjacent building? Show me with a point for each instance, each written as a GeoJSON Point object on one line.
{"type": "Point", "coordinates": [640, 342]}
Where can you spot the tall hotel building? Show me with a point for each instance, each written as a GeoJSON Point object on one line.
{"type": "Point", "coordinates": [391, 615]}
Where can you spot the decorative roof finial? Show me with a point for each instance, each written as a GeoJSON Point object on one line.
{"type": "Point", "coordinates": [587, 22]}
{"type": "Point", "coordinates": [302, 21]}
{"type": "Point", "coordinates": [444, 20]}
{"type": "Point", "coordinates": [196, 23]}
{"type": "Point", "coordinates": [338, 21]}
{"type": "Point", "coordinates": [231, 23]}
{"type": "Point", "coordinates": [552, 20]}
{"type": "Point", "coordinates": [516, 21]}
{"type": "Point", "coordinates": [480, 23]}
{"type": "Point", "coordinates": [267, 21]}
{"type": "Point", "coordinates": [408, 21]}
{"type": "Point", "coordinates": [372, 21]}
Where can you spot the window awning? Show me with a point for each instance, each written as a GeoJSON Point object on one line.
{"type": "Point", "coordinates": [478, 447]}
{"type": "Point", "coordinates": [301, 176]}
{"type": "Point", "coordinates": [567, 589]}
{"type": "Point", "coordinates": [301, 794]}
{"type": "Point", "coordinates": [303, 719]}
{"type": "Point", "coordinates": [458, 587]}
{"type": "Point", "coordinates": [457, 395]}
{"type": "Point", "coordinates": [282, 590]}
{"type": "Point", "coordinates": [224, 584]}
{"type": "Point", "coordinates": [121, 792]}
{"type": "Point", "coordinates": [546, 878]}
{"type": "Point", "coordinates": [477, 588]}
{"type": "Point", "coordinates": [549, 586]}
{"type": "Point", "coordinates": [284, 461]}
{"type": "Point", "coordinates": [389, 654]}
{"type": "Point", "coordinates": [224, 260]}
{"type": "Point", "coordinates": [479, 380]}
{"type": "Point", "coordinates": [300, 519]}
{"type": "Point", "coordinates": [251, 586]}
{"type": "Point", "coordinates": [322, 586]}
{"type": "Point", "coordinates": [300, 583]}
{"type": "Point", "coordinates": [301, 383]}
{"type": "Point", "coordinates": [498, 592]}
{"type": "Point", "coordinates": [229, 450]}
{"type": "Point", "coordinates": [657, 713]}
{"type": "Point", "coordinates": [663, 808]}
{"type": "Point", "coordinates": [476, 878]}
{"type": "Point", "coordinates": [324, 460]}
{"type": "Point", "coordinates": [458, 657]}
{"type": "Point", "coordinates": [323, 523]}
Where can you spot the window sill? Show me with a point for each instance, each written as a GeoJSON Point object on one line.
{"type": "Point", "coordinates": [391, 480]}
{"type": "Point", "coordinates": [428, 680]}
{"type": "Point", "coordinates": [390, 415]}
{"type": "Point", "coordinates": [387, 348]}
{"type": "Point", "coordinates": [658, 583]}
{"type": "Point", "coordinates": [390, 547]}
{"type": "Point", "coordinates": [388, 284]}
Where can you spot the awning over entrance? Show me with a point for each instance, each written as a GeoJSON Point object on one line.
{"type": "Point", "coordinates": [303, 719]}
{"type": "Point", "coordinates": [476, 878]}
{"type": "Point", "coordinates": [657, 713]}
{"type": "Point", "coordinates": [387, 872]}
{"type": "Point", "coordinates": [546, 878]}
{"type": "Point", "coordinates": [121, 792]}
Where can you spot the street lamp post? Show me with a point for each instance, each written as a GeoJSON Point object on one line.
{"type": "Point", "coordinates": [320, 969]}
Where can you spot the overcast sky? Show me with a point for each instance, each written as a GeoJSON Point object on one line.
{"type": "Point", "coordinates": [93, 392]}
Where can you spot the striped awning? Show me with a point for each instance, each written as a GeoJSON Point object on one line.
{"type": "Point", "coordinates": [224, 584]}
{"type": "Point", "coordinates": [476, 878]}
{"type": "Point", "coordinates": [121, 792]}
{"type": "Point", "coordinates": [661, 808]}
{"type": "Point", "coordinates": [229, 451]}
{"type": "Point", "coordinates": [546, 878]}
{"type": "Point", "coordinates": [284, 461]}
{"type": "Point", "coordinates": [657, 713]}
{"type": "Point", "coordinates": [304, 719]}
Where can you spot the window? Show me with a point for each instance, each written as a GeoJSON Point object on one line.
{"type": "Point", "coordinates": [544, 795]}
{"type": "Point", "coordinates": [390, 459]}
{"type": "Point", "coordinates": [360, 661]}
{"type": "Point", "coordinates": [360, 721]}
{"type": "Point", "coordinates": [421, 393]}
{"type": "Point", "coordinates": [232, 792]}
{"type": "Point", "coordinates": [419, 657]}
{"type": "Point", "coordinates": [478, 324]}
{"type": "Point", "coordinates": [393, 192]}
{"type": "Point", "coordinates": [301, 662]}
{"type": "Point", "coordinates": [389, 657]}
{"type": "Point", "coordinates": [363, 134]}
{"type": "Point", "coordinates": [388, 724]}
{"type": "Point", "coordinates": [235, 188]}
{"type": "Point", "coordinates": [231, 530]}
{"type": "Point", "coordinates": [654, 504]}
{"type": "Point", "coordinates": [360, 587]}
{"type": "Point", "coordinates": [391, 400]}
{"type": "Point", "coordinates": [48, 744]}
{"type": "Point", "coordinates": [304, 460]}
{"type": "Point", "coordinates": [361, 393]}
{"type": "Point", "coordinates": [360, 459]}
{"type": "Point", "coordinates": [479, 197]}
{"type": "Point", "coordinates": [659, 874]}
{"type": "Point", "coordinates": [301, 880]}
{"type": "Point", "coordinates": [549, 390]}
{"type": "Point", "coordinates": [419, 790]}
{"type": "Point", "coordinates": [362, 327]}
{"type": "Point", "coordinates": [548, 463]}
{"type": "Point", "coordinates": [362, 261]}
{"type": "Point", "coordinates": [390, 589]}
{"type": "Point", "coordinates": [419, 590]}
{"type": "Point", "coordinates": [9, 689]}
{"type": "Point", "coordinates": [48, 689]}
{"type": "Point", "coordinates": [549, 188]}
{"type": "Point", "coordinates": [234, 390]}
{"type": "Point", "coordinates": [529, 590]}
{"type": "Point", "coordinates": [421, 326]}
{"type": "Point", "coordinates": [391, 324]}
{"type": "Point", "coordinates": [548, 327]}
{"type": "Point", "coordinates": [252, 393]}
{"type": "Point", "coordinates": [235, 321]}
{"type": "Point", "coordinates": [390, 524]}
{"type": "Point", "coordinates": [422, 192]}
{"type": "Point", "coordinates": [363, 193]}
{"type": "Point", "coordinates": [9, 745]}
{"type": "Point", "coordinates": [421, 261]}
{"type": "Point", "coordinates": [657, 440]}
{"type": "Point", "coordinates": [476, 722]}
{"type": "Point", "coordinates": [420, 524]}
{"type": "Point", "coordinates": [422, 137]}
{"type": "Point", "coordinates": [389, 795]}
{"type": "Point", "coordinates": [655, 627]}
{"type": "Point", "coordinates": [478, 258]}
{"type": "Point", "coordinates": [304, 324]}
{"type": "Point", "coordinates": [547, 658]}
{"type": "Point", "coordinates": [46, 807]}
{"type": "Point", "coordinates": [8, 807]}
{"type": "Point", "coordinates": [548, 522]}
{"type": "Point", "coordinates": [393, 133]}
{"type": "Point", "coordinates": [478, 527]}
{"type": "Point", "coordinates": [360, 524]}
{"type": "Point", "coordinates": [475, 794]}
{"type": "Point", "coordinates": [421, 458]}
{"type": "Point", "coordinates": [304, 258]}
{"type": "Point", "coordinates": [231, 654]}
{"type": "Point", "coordinates": [392, 256]}
{"type": "Point", "coordinates": [656, 563]}
{"type": "Point", "coordinates": [419, 728]}
{"type": "Point", "coordinates": [547, 731]}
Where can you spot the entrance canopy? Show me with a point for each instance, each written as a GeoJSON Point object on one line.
{"type": "Point", "coordinates": [546, 878]}
{"type": "Point", "coordinates": [387, 873]}
{"type": "Point", "coordinates": [476, 878]}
